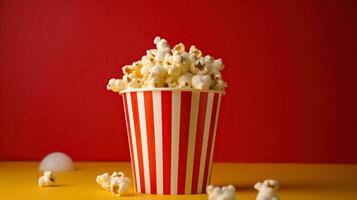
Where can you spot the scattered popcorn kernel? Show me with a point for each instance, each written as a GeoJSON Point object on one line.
{"type": "Point", "coordinates": [267, 190]}
{"type": "Point", "coordinates": [218, 193]}
{"type": "Point", "coordinates": [173, 68]}
{"type": "Point", "coordinates": [47, 179]}
{"type": "Point", "coordinates": [120, 185]}
{"type": "Point", "coordinates": [103, 180]}
{"type": "Point", "coordinates": [116, 183]}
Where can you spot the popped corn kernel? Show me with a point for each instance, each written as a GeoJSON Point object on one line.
{"type": "Point", "coordinates": [195, 53]}
{"type": "Point", "coordinates": [47, 179]}
{"type": "Point", "coordinates": [116, 183]}
{"type": "Point", "coordinates": [267, 190]}
{"type": "Point", "coordinates": [180, 48]}
{"type": "Point", "coordinates": [201, 82]}
{"type": "Point", "coordinates": [199, 67]}
{"type": "Point", "coordinates": [185, 81]}
{"type": "Point", "coordinates": [116, 85]}
{"type": "Point", "coordinates": [120, 184]}
{"type": "Point", "coordinates": [221, 193]}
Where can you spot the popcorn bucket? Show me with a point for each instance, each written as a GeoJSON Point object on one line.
{"type": "Point", "coordinates": [171, 135]}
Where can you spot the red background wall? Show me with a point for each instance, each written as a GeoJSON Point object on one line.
{"type": "Point", "coordinates": [291, 69]}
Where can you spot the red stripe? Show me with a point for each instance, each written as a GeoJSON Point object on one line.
{"type": "Point", "coordinates": [129, 138]}
{"type": "Point", "coordinates": [210, 138]}
{"type": "Point", "coordinates": [166, 99]}
{"type": "Point", "coordinates": [149, 112]}
{"type": "Point", "coordinates": [183, 146]}
{"type": "Point", "coordinates": [198, 142]}
{"type": "Point", "coordinates": [134, 102]}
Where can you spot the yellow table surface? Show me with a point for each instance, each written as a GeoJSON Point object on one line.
{"type": "Point", "coordinates": [18, 180]}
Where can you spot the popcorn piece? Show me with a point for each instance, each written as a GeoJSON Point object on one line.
{"type": "Point", "coordinates": [149, 58]}
{"type": "Point", "coordinates": [47, 179]}
{"type": "Point", "coordinates": [103, 180]}
{"type": "Point", "coordinates": [157, 72]}
{"type": "Point", "coordinates": [155, 77]}
{"type": "Point", "coordinates": [201, 82]}
{"type": "Point", "coordinates": [119, 184]}
{"type": "Point", "coordinates": [116, 85]}
{"type": "Point", "coordinates": [224, 193]}
{"type": "Point", "coordinates": [199, 67]}
{"type": "Point", "coordinates": [177, 59]}
{"type": "Point", "coordinates": [135, 83]}
{"type": "Point", "coordinates": [150, 83]}
{"type": "Point", "coordinates": [132, 70]}
{"type": "Point", "coordinates": [173, 70]}
{"type": "Point", "coordinates": [216, 66]}
{"type": "Point", "coordinates": [267, 190]}
{"type": "Point", "coordinates": [171, 82]}
{"type": "Point", "coordinates": [185, 81]}
{"type": "Point", "coordinates": [195, 54]}
{"type": "Point", "coordinates": [145, 70]}
{"type": "Point", "coordinates": [217, 81]}
{"type": "Point", "coordinates": [116, 183]}
{"type": "Point", "coordinates": [162, 47]}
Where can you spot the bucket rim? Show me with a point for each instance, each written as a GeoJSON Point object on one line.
{"type": "Point", "coordinates": [169, 89]}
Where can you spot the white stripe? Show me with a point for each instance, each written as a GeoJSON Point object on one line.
{"type": "Point", "coordinates": [175, 139]}
{"type": "Point", "coordinates": [133, 140]}
{"type": "Point", "coordinates": [156, 99]}
{"type": "Point", "coordinates": [214, 139]}
{"type": "Point", "coordinates": [205, 140]}
{"type": "Point", "coordinates": [144, 140]}
{"type": "Point", "coordinates": [128, 133]}
{"type": "Point", "coordinates": [195, 100]}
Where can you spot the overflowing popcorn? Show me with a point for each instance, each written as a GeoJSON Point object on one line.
{"type": "Point", "coordinates": [267, 190]}
{"type": "Point", "coordinates": [173, 68]}
{"type": "Point", "coordinates": [116, 183]}
{"type": "Point", "coordinates": [47, 179]}
{"type": "Point", "coordinates": [221, 193]}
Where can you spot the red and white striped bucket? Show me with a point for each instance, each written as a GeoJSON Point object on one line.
{"type": "Point", "coordinates": [171, 135]}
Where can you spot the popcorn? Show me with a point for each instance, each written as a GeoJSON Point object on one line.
{"type": "Point", "coordinates": [201, 82]}
{"type": "Point", "coordinates": [157, 72]}
{"type": "Point", "coordinates": [47, 179]}
{"type": "Point", "coordinates": [185, 81]}
{"type": "Point", "coordinates": [120, 184]}
{"type": "Point", "coordinates": [173, 68]}
{"type": "Point", "coordinates": [116, 183]}
{"type": "Point", "coordinates": [163, 48]}
{"type": "Point", "coordinates": [267, 190]}
{"type": "Point", "coordinates": [224, 193]}
{"type": "Point", "coordinates": [199, 67]}
{"type": "Point", "coordinates": [116, 85]}
{"type": "Point", "coordinates": [216, 66]}
{"type": "Point", "coordinates": [103, 180]}
{"type": "Point", "coordinates": [177, 59]}
{"type": "Point", "coordinates": [194, 53]}
{"type": "Point", "coordinates": [179, 48]}
{"type": "Point", "coordinates": [218, 83]}
{"type": "Point", "coordinates": [134, 83]}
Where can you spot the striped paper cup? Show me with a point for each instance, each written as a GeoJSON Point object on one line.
{"type": "Point", "coordinates": [171, 135]}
